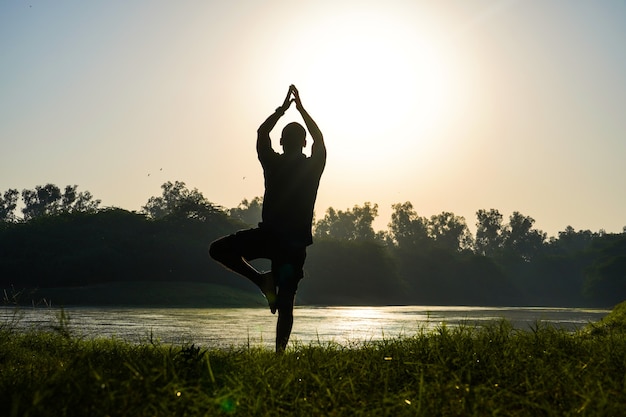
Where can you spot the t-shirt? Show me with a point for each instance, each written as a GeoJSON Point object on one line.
{"type": "Point", "coordinates": [291, 183]}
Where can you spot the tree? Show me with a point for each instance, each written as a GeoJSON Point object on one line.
{"type": "Point", "coordinates": [41, 201]}
{"type": "Point", "coordinates": [571, 242]}
{"type": "Point", "coordinates": [351, 272]}
{"type": "Point", "coordinates": [489, 232]}
{"type": "Point", "coordinates": [49, 200]}
{"type": "Point", "coordinates": [249, 212]}
{"type": "Point", "coordinates": [179, 202]}
{"type": "Point", "coordinates": [520, 239]}
{"type": "Point", "coordinates": [355, 224]}
{"type": "Point", "coordinates": [83, 202]}
{"type": "Point", "coordinates": [8, 203]}
{"type": "Point", "coordinates": [407, 229]}
{"type": "Point", "coordinates": [450, 231]}
{"type": "Point", "coordinates": [606, 277]}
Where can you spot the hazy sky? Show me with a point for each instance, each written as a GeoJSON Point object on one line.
{"type": "Point", "coordinates": [452, 105]}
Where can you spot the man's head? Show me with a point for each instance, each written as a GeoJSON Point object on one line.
{"type": "Point", "coordinates": [293, 138]}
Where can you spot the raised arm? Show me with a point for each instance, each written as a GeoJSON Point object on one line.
{"type": "Point", "coordinates": [263, 141]}
{"type": "Point", "coordinates": [318, 146]}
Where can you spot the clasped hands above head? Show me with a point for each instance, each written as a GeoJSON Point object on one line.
{"type": "Point", "coordinates": [292, 96]}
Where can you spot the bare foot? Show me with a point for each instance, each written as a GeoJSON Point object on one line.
{"type": "Point", "coordinates": [268, 288]}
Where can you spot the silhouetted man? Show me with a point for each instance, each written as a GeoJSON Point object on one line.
{"type": "Point", "coordinates": [291, 183]}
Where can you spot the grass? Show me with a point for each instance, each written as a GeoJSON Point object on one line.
{"type": "Point", "coordinates": [462, 371]}
{"type": "Point", "coordinates": [615, 322]}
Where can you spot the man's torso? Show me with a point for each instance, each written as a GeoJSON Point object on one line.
{"type": "Point", "coordinates": [291, 185]}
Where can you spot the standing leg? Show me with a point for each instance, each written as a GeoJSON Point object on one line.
{"type": "Point", "coordinates": [285, 302]}
{"type": "Point", "coordinates": [288, 274]}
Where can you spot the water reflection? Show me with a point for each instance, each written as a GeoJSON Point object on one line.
{"type": "Point", "coordinates": [256, 326]}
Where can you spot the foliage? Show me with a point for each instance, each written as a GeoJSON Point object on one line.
{"type": "Point", "coordinates": [48, 200]}
{"type": "Point", "coordinates": [461, 371]}
{"type": "Point", "coordinates": [489, 232]}
{"type": "Point", "coordinates": [607, 273]}
{"type": "Point", "coordinates": [248, 212]}
{"type": "Point", "coordinates": [179, 202]}
{"type": "Point", "coordinates": [614, 322]}
{"type": "Point", "coordinates": [112, 245]}
{"type": "Point", "coordinates": [447, 231]}
{"type": "Point", "coordinates": [436, 276]}
{"type": "Point", "coordinates": [450, 232]}
{"type": "Point", "coordinates": [572, 241]}
{"type": "Point", "coordinates": [66, 240]}
{"type": "Point", "coordinates": [352, 224]}
{"type": "Point", "coordinates": [407, 229]}
{"type": "Point", "coordinates": [173, 294]}
{"type": "Point", "coordinates": [520, 239]}
{"type": "Point", "coordinates": [350, 272]}
{"type": "Point", "coordinates": [8, 203]}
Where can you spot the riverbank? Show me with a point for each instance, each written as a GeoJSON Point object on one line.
{"type": "Point", "coordinates": [183, 294]}
{"type": "Point", "coordinates": [140, 294]}
{"type": "Point", "coordinates": [464, 370]}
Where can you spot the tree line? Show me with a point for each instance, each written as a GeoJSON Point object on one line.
{"type": "Point", "coordinates": [64, 238]}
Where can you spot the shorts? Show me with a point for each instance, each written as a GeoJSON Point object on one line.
{"type": "Point", "coordinates": [287, 261]}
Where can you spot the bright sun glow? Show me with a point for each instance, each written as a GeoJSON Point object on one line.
{"type": "Point", "coordinates": [383, 85]}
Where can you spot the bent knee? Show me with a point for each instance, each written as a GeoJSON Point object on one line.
{"type": "Point", "coordinates": [215, 250]}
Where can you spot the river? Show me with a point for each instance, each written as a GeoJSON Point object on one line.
{"type": "Point", "coordinates": [225, 327]}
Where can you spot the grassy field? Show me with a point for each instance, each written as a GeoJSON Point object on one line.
{"type": "Point", "coordinates": [465, 371]}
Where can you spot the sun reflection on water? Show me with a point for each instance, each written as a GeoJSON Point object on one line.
{"type": "Point", "coordinates": [256, 326]}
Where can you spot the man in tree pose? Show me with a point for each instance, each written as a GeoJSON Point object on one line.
{"type": "Point", "coordinates": [291, 183]}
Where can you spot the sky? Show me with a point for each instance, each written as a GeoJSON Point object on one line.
{"type": "Point", "coordinates": [452, 105]}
